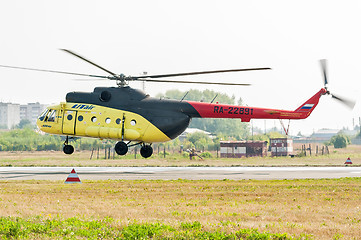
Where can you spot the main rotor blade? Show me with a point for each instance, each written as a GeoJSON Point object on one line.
{"type": "Point", "coordinates": [88, 61]}
{"type": "Point", "coordinates": [212, 83]}
{"type": "Point", "coordinates": [348, 103]}
{"type": "Point", "coordinates": [324, 70]}
{"type": "Point", "coordinates": [197, 73]}
{"type": "Point", "coordinates": [52, 71]}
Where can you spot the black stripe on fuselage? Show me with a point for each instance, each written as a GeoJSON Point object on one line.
{"type": "Point", "coordinates": [172, 117]}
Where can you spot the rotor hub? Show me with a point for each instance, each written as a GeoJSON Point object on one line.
{"type": "Point", "coordinates": [121, 80]}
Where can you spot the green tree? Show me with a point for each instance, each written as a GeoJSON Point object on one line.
{"type": "Point", "coordinates": [200, 96]}
{"type": "Point", "coordinates": [340, 140]}
{"type": "Point", "coordinates": [24, 123]}
{"type": "Point", "coordinates": [194, 137]}
{"type": "Point", "coordinates": [267, 137]}
{"type": "Point", "coordinates": [200, 140]}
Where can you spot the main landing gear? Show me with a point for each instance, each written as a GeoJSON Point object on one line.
{"type": "Point", "coordinates": [146, 151]}
{"type": "Point", "coordinates": [68, 149]}
{"type": "Point", "coordinates": [121, 148]}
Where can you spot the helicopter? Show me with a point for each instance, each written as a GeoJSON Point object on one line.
{"type": "Point", "coordinates": [132, 117]}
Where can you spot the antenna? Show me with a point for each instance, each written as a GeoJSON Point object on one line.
{"type": "Point", "coordinates": [143, 82]}
{"type": "Point", "coordinates": [214, 98]}
{"type": "Point", "coordinates": [184, 96]}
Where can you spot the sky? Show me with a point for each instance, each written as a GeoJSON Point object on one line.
{"type": "Point", "coordinates": [159, 37]}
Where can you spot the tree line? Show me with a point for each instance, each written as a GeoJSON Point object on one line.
{"type": "Point", "coordinates": [28, 139]}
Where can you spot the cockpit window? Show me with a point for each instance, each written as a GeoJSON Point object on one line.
{"type": "Point", "coordinates": [50, 116]}
{"type": "Point", "coordinates": [42, 115]}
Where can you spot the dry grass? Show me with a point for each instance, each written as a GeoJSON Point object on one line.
{"type": "Point", "coordinates": [324, 208]}
{"type": "Point", "coordinates": [81, 158]}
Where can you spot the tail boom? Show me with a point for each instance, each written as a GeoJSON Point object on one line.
{"type": "Point", "coordinates": [245, 113]}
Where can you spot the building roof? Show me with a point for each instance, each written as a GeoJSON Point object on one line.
{"type": "Point", "coordinates": [325, 133]}
{"type": "Point", "coordinates": [194, 130]}
{"type": "Point", "coordinates": [243, 141]}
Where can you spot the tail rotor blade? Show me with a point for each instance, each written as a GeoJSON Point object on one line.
{"type": "Point", "coordinates": [324, 70]}
{"type": "Point", "coordinates": [348, 103]}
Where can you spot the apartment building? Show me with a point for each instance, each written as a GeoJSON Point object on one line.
{"type": "Point", "coordinates": [9, 115]}
{"type": "Point", "coordinates": [12, 113]}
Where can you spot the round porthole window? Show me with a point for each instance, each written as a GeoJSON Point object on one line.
{"type": "Point", "coordinates": [107, 120]}
{"type": "Point", "coordinates": [80, 118]}
{"type": "Point", "coordinates": [94, 119]}
{"type": "Point", "coordinates": [133, 122]}
{"type": "Point", "coordinates": [118, 121]}
{"type": "Point", "coordinates": [69, 117]}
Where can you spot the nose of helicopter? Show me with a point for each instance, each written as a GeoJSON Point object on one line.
{"type": "Point", "coordinates": [42, 120]}
{"type": "Point", "coordinates": [47, 121]}
{"type": "Point", "coordinates": [40, 125]}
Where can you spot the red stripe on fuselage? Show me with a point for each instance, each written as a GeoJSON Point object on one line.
{"type": "Point", "coordinates": [212, 110]}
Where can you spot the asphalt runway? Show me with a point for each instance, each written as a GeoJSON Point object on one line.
{"type": "Point", "coordinates": [172, 173]}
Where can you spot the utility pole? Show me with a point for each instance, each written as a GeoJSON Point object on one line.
{"type": "Point", "coordinates": [265, 127]}
{"type": "Point", "coordinates": [252, 128]}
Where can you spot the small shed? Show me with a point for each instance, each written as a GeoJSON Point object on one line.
{"type": "Point", "coordinates": [238, 149]}
{"type": "Point", "coordinates": [281, 146]}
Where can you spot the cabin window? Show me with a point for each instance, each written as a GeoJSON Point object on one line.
{"type": "Point", "coordinates": [107, 120]}
{"type": "Point", "coordinates": [42, 115]}
{"type": "Point", "coordinates": [94, 119]}
{"type": "Point", "coordinates": [50, 117]}
{"type": "Point", "coordinates": [118, 121]}
{"type": "Point", "coordinates": [69, 117]}
{"type": "Point", "coordinates": [133, 122]}
{"type": "Point", "coordinates": [80, 118]}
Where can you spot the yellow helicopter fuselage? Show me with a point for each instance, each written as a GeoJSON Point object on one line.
{"type": "Point", "coordinates": [89, 120]}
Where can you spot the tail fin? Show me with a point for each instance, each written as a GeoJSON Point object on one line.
{"type": "Point", "coordinates": [307, 107]}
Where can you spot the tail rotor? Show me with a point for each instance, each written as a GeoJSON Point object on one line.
{"type": "Point", "coordinates": [349, 103]}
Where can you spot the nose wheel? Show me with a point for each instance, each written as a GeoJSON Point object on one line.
{"type": "Point", "coordinates": [68, 149]}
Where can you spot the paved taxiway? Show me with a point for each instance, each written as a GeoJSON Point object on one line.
{"type": "Point", "coordinates": [169, 173]}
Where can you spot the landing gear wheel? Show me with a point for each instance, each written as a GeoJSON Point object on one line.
{"type": "Point", "coordinates": [121, 148]}
{"type": "Point", "coordinates": [68, 149]}
{"type": "Point", "coordinates": [146, 151]}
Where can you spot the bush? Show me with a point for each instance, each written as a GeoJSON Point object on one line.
{"type": "Point", "coordinates": [185, 154]}
{"type": "Point", "coordinates": [161, 153]}
{"type": "Point", "coordinates": [340, 141]}
{"type": "Point", "coordinates": [206, 155]}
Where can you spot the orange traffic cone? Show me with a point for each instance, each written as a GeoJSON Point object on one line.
{"type": "Point", "coordinates": [73, 177]}
{"type": "Point", "coordinates": [348, 161]}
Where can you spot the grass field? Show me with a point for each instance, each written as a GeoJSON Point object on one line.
{"type": "Point", "coordinates": [181, 209]}
{"type": "Point", "coordinates": [305, 209]}
{"type": "Point", "coordinates": [337, 157]}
